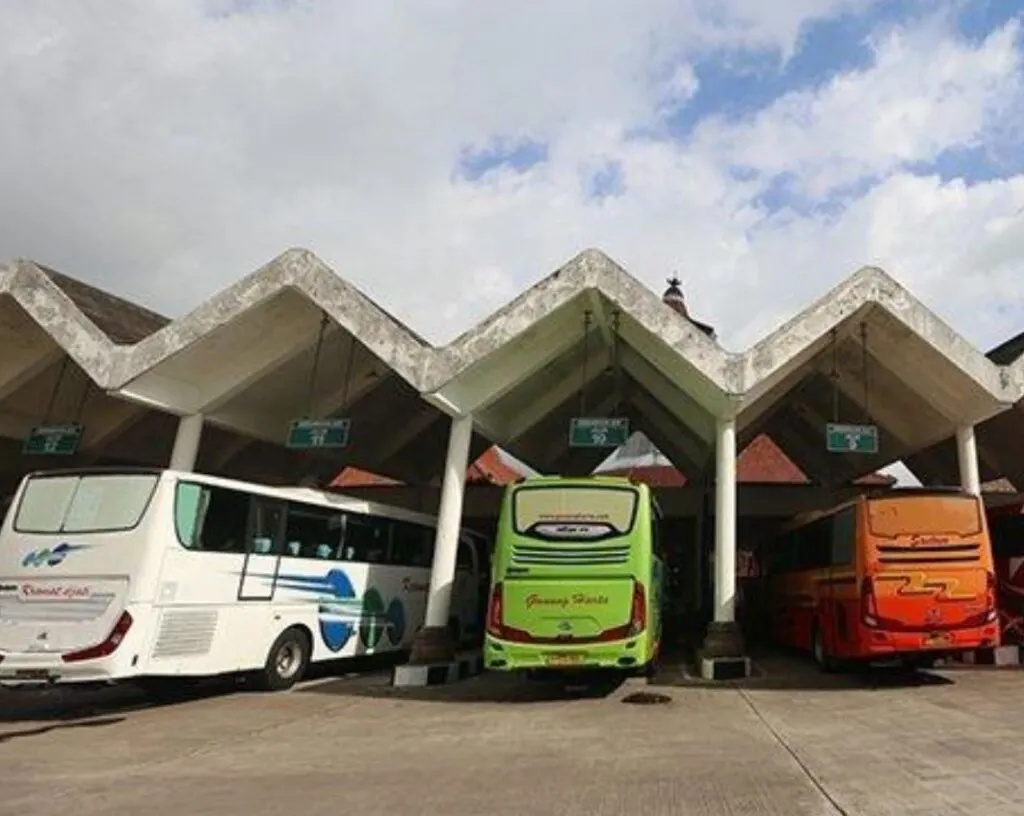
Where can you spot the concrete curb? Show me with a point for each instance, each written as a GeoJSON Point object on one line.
{"type": "Point", "coordinates": [466, 664]}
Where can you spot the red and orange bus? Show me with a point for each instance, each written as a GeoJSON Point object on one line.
{"type": "Point", "coordinates": [902, 575]}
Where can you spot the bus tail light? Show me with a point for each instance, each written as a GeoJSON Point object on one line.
{"type": "Point", "coordinates": [992, 610]}
{"type": "Point", "coordinates": [868, 606]}
{"type": "Point", "coordinates": [494, 613]}
{"type": "Point", "coordinates": [107, 647]}
{"type": "Point", "coordinates": [638, 618]}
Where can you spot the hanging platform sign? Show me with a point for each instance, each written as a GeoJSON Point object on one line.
{"type": "Point", "coordinates": [53, 440]}
{"type": "Point", "coordinates": [851, 438]}
{"type": "Point", "coordinates": [594, 432]}
{"type": "Point", "coordinates": [315, 434]}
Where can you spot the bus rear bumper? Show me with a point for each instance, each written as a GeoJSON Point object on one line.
{"type": "Point", "coordinates": [34, 670]}
{"type": "Point", "coordinates": [625, 655]}
{"type": "Point", "coordinates": [881, 643]}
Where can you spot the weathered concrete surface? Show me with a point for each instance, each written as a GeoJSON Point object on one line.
{"type": "Point", "coordinates": [804, 746]}
{"type": "Point", "coordinates": [300, 270]}
{"type": "Point", "coordinates": [221, 359]}
{"type": "Point", "coordinates": [545, 321]}
{"type": "Point", "coordinates": [766, 361]}
{"type": "Point", "coordinates": [921, 378]}
{"type": "Point", "coordinates": [67, 327]}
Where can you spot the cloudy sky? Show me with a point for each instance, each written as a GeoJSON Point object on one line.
{"type": "Point", "coordinates": [444, 154]}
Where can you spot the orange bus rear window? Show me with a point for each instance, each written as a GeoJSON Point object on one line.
{"type": "Point", "coordinates": [954, 516]}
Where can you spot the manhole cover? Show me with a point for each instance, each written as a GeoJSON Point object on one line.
{"type": "Point", "coordinates": [646, 698]}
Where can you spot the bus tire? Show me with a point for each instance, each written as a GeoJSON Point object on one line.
{"type": "Point", "coordinates": [822, 658]}
{"type": "Point", "coordinates": [287, 661]}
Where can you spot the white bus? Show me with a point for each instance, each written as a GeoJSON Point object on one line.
{"type": "Point", "coordinates": [157, 575]}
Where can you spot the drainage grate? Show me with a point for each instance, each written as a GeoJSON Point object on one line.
{"type": "Point", "coordinates": [646, 698]}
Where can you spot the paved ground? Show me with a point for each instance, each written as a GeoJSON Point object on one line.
{"type": "Point", "coordinates": [939, 743]}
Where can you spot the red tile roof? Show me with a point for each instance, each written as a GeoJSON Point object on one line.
{"type": "Point", "coordinates": [761, 462]}
{"type": "Point", "coordinates": [490, 468]}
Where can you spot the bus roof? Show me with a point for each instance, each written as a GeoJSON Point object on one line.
{"type": "Point", "coordinates": [899, 492]}
{"type": "Point", "coordinates": [591, 479]}
{"type": "Point", "coordinates": [305, 495]}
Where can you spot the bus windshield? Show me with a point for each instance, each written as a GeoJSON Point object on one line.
{"type": "Point", "coordinates": [952, 516]}
{"type": "Point", "coordinates": [567, 512]}
{"type": "Point", "coordinates": [84, 503]}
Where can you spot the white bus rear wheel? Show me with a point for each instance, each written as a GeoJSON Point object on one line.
{"type": "Point", "coordinates": [286, 661]}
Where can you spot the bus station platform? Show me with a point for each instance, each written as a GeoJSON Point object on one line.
{"type": "Point", "coordinates": [790, 742]}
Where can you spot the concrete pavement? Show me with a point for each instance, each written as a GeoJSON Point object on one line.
{"type": "Point", "coordinates": [490, 745]}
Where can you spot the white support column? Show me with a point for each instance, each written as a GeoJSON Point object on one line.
{"type": "Point", "coordinates": [967, 456]}
{"type": "Point", "coordinates": [449, 520]}
{"type": "Point", "coordinates": [186, 443]}
{"type": "Point", "coordinates": [725, 522]}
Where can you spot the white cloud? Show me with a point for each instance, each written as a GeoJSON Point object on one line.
{"type": "Point", "coordinates": [925, 93]}
{"type": "Point", "coordinates": [163, 151]}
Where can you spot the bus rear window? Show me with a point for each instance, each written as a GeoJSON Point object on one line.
{"type": "Point", "coordinates": [574, 513]}
{"type": "Point", "coordinates": [953, 516]}
{"type": "Point", "coordinates": [91, 503]}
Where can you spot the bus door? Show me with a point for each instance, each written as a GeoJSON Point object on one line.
{"type": "Point", "coordinates": [264, 547]}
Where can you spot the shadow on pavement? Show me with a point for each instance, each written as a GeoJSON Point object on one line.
{"type": "Point", "coordinates": [63, 704]}
{"type": "Point", "coordinates": [10, 736]}
{"type": "Point", "coordinates": [485, 688]}
{"type": "Point", "coordinates": [67, 703]}
{"type": "Point", "coordinates": [785, 672]}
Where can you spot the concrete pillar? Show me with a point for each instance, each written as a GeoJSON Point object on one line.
{"type": "Point", "coordinates": [433, 643]}
{"type": "Point", "coordinates": [723, 638]}
{"type": "Point", "coordinates": [967, 456]}
{"type": "Point", "coordinates": [186, 443]}
{"type": "Point", "coordinates": [725, 523]}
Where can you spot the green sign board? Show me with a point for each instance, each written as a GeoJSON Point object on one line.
{"type": "Point", "coordinates": [53, 440]}
{"type": "Point", "coordinates": [307, 434]}
{"type": "Point", "coordinates": [598, 432]}
{"type": "Point", "coordinates": [851, 438]}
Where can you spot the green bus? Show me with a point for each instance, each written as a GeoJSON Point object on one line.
{"type": "Point", "coordinates": [576, 578]}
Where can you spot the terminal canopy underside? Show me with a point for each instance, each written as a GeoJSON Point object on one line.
{"type": "Point", "coordinates": [590, 358]}
{"type": "Point", "coordinates": [871, 371]}
{"type": "Point", "coordinates": [294, 341]}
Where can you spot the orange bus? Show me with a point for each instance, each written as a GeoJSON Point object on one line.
{"type": "Point", "coordinates": [902, 575]}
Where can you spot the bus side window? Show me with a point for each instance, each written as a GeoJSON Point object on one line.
{"type": "Point", "coordinates": [189, 502]}
{"type": "Point", "coordinates": [844, 534]}
{"type": "Point", "coordinates": [657, 545]}
{"type": "Point", "coordinates": [211, 519]}
{"type": "Point", "coordinates": [411, 545]}
{"type": "Point", "coordinates": [816, 546]}
{"type": "Point", "coordinates": [365, 539]}
{"type": "Point", "coordinates": [267, 521]}
{"type": "Point", "coordinates": [311, 532]}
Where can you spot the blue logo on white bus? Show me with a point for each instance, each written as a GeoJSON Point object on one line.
{"type": "Point", "coordinates": [341, 612]}
{"type": "Point", "coordinates": [47, 557]}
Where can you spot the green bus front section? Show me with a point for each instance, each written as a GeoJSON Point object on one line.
{"type": "Point", "coordinates": [566, 596]}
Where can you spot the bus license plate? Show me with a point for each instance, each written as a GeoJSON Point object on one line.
{"type": "Point", "coordinates": [937, 639]}
{"type": "Point", "coordinates": [32, 674]}
{"type": "Point", "coordinates": [564, 659]}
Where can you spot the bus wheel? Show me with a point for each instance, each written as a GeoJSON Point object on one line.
{"type": "Point", "coordinates": [824, 660]}
{"type": "Point", "coordinates": [286, 661]}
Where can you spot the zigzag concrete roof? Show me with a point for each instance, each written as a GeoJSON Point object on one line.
{"type": "Point", "coordinates": [57, 314]}
{"type": "Point", "coordinates": [663, 354]}
{"type": "Point", "coordinates": [301, 271]}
